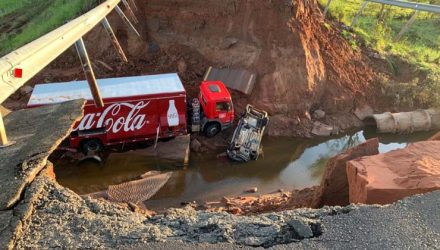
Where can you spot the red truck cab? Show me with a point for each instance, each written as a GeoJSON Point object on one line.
{"type": "Point", "coordinates": [217, 108]}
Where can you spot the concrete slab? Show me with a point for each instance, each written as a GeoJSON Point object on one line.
{"type": "Point", "coordinates": [238, 79]}
{"type": "Point", "coordinates": [37, 132]}
{"type": "Point", "coordinates": [175, 150]}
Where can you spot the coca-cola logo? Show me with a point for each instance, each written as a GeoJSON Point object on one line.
{"type": "Point", "coordinates": [113, 120]}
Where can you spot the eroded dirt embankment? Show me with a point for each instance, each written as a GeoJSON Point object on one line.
{"type": "Point", "coordinates": [302, 63]}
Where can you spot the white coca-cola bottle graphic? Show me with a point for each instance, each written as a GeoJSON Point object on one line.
{"type": "Point", "coordinates": [172, 115]}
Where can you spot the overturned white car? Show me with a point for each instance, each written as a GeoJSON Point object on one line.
{"type": "Point", "coordinates": [245, 143]}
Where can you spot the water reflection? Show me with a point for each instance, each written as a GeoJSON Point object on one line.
{"type": "Point", "coordinates": [287, 163]}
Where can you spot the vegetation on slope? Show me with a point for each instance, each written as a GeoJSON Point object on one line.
{"type": "Point", "coordinates": [378, 27]}
{"type": "Point", "coordinates": [22, 21]}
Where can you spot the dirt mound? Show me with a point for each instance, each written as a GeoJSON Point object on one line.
{"type": "Point", "coordinates": [386, 178]}
{"type": "Point", "coordinates": [302, 62]}
{"type": "Point", "coordinates": [333, 190]}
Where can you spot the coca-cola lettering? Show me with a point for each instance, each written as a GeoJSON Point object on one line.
{"type": "Point", "coordinates": [109, 118]}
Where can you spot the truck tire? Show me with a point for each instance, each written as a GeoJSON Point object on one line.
{"type": "Point", "coordinates": [91, 146]}
{"type": "Point", "coordinates": [212, 129]}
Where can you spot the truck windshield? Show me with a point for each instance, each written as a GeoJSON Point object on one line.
{"type": "Point", "coordinates": [223, 106]}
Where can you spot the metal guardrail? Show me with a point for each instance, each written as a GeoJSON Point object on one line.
{"type": "Point", "coordinates": [417, 7]}
{"type": "Point", "coordinates": [403, 4]}
{"type": "Point", "coordinates": [33, 57]}
{"type": "Point", "coordinates": [17, 67]}
{"type": "Point", "coordinates": [410, 5]}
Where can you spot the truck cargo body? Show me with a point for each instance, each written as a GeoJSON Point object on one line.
{"type": "Point", "coordinates": [135, 108]}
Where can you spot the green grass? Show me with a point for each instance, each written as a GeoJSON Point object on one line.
{"type": "Point", "coordinates": [420, 46]}
{"type": "Point", "coordinates": [22, 21]}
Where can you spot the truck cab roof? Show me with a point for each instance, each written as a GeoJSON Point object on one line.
{"type": "Point", "coordinates": [214, 91]}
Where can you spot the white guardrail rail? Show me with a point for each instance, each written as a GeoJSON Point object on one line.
{"type": "Point", "coordinates": [34, 56]}
{"type": "Point", "coordinates": [410, 5]}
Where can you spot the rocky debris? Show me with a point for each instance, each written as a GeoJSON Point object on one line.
{"type": "Point", "coordinates": [279, 201]}
{"type": "Point", "coordinates": [302, 229]}
{"type": "Point", "coordinates": [363, 112]}
{"type": "Point", "coordinates": [26, 90]}
{"type": "Point", "coordinates": [413, 223]}
{"type": "Point", "coordinates": [386, 178]}
{"type": "Point", "coordinates": [228, 42]}
{"type": "Point", "coordinates": [307, 115]}
{"type": "Point", "coordinates": [280, 123]}
{"type": "Point", "coordinates": [195, 145]}
{"type": "Point", "coordinates": [318, 114]}
{"type": "Point", "coordinates": [135, 208]}
{"type": "Point", "coordinates": [37, 132]}
{"type": "Point", "coordinates": [63, 219]}
{"type": "Point", "coordinates": [333, 190]}
{"type": "Point", "coordinates": [252, 190]}
{"type": "Point", "coordinates": [321, 129]}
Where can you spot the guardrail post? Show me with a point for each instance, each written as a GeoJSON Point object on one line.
{"type": "Point", "coordinates": [355, 19]}
{"type": "Point", "coordinates": [130, 11]}
{"type": "Point", "coordinates": [406, 27]}
{"type": "Point", "coordinates": [113, 38]}
{"type": "Point", "coordinates": [327, 6]}
{"type": "Point", "coordinates": [134, 5]}
{"type": "Point", "coordinates": [3, 138]}
{"type": "Point", "coordinates": [126, 20]}
{"type": "Point", "coordinates": [88, 72]}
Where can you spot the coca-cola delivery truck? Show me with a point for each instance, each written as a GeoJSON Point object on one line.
{"type": "Point", "coordinates": [137, 109]}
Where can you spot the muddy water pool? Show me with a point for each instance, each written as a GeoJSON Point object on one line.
{"type": "Point", "coordinates": [287, 163]}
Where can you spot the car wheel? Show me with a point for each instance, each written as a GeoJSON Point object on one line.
{"type": "Point", "coordinates": [91, 146]}
{"type": "Point", "coordinates": [212, 129]}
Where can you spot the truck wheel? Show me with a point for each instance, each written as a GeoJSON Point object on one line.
{"type": "Point", "coordinates": [91, 146]}
{"type": "Point", "coordinates": [212, 129]}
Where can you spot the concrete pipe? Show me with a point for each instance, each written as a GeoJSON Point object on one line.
{"type": "Point", "coordinates": [435, 117]}
{"type": "Point", "coordinates": [408, 122]}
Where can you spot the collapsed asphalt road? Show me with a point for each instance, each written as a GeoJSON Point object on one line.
{"type": "Point", "coordinates": [43, 214]}
{"type": "Point", "coordinates": [413, 223]}
{"type": "Point", "coordinates": [63, 219]}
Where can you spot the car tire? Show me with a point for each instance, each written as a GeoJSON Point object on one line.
{"type": "Point", "coordinates": [212, 129]}
{"type": "Point", "coordinates": [91, 146]}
